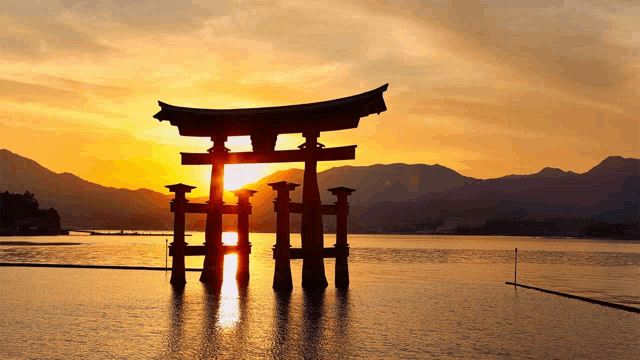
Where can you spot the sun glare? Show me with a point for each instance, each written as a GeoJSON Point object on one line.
{"type": "Point", "coordinates": [230, 238]}
{"type": "Point", "coordinates": [237, 176]}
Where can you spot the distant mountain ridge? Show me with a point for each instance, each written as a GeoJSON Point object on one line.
{"type": "Point", "coordinates": [393, 182]}
{"type": "Point", "coordinates": [385, 194]}
{"type": "Point", "coordinates": [545, 172]}
{"type": "Point", "coordinates": [389, 195]}
{"type": "Point", "coordinates": [81, 203]}
{"type": "Point", "coordinates": [608, 192]}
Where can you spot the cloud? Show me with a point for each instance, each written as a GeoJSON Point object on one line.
{"type": "Point", "coordinates": [107, 91]}
{"type": "Point", "coordinates": [312, 30]}
{"type": "Point", "coordinates": [563, 42]}
{"type": "Point", "coordinates": [32, 38]}
{"type": "Point", "coordinates": [169, 15]}
{"type": "Point", "coordinates": [27, 93]}
{"type": "Point", "coordinates": [22, 92]}
{"type": "Point", "coordinates": [52, 29]}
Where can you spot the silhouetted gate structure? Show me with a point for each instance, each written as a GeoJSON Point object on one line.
{"type": "Point", "coordinates": [263, 125]}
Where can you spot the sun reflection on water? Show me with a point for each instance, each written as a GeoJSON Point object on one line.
{"type": "Point", "coordinates": [229, 310]}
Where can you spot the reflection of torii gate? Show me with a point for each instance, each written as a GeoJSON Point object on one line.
{"type": "Point", "coordinates": [263, 125]}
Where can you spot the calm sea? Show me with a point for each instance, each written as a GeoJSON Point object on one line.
{"type": "Point", "coordinates": [411, 297]}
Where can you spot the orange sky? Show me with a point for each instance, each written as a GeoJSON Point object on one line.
{"type": "Point", "coordinates": [487, 88]}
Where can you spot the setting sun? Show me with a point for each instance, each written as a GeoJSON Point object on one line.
{"type": "Point", "coordinates": [230, 238]}
{"type": "Point", "coordinates": [237, 176]}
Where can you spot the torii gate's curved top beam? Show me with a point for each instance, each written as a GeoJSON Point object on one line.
{"type": "Point", "coordinates": [338, 114]}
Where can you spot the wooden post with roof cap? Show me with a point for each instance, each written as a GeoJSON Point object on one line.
{"type": "Point", "coordinates": [244, 246]}
{"type": "Point", "coordinates": [179, 204]}
{"type": "Point", "coordinates": [342, 247]}
{"type": "Point", "coordinates": [282, 274]}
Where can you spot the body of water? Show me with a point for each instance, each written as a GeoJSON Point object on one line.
{"type": "Point", "coordinates": [414, 297]}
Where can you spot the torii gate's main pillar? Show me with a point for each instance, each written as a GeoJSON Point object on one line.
{"type": "Point", "coordinates": [213, 266]}
{"type": "Point", "coordinates": [311, 231]}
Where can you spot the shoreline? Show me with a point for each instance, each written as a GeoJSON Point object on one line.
{"type": "Point", "coordinates": [95, 233]}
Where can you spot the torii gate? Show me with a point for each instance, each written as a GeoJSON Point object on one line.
{"type": "Point", "coordinates": [264, 125]}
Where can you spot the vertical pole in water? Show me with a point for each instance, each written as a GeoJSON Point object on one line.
{"type": "Point", "coordinates": [179, 208]}
{"type": "Point", "coordinates": [342, 247]}
{"type": "Point", "coordinates": [282, 280]}
{"type": "Point", "coordinates": [166, 254]}
{"type": "Point", "coordinates": [244, 246]}
{"type": "Point", "coordinates": [515, 269]}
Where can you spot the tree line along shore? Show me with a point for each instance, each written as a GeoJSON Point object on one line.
{"type": "Point", "coordinates": [20, 214]}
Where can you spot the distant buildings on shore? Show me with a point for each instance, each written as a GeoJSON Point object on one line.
{"type": "Point", "coordinates": [454, 225]}
{"type": "Point", "coordinates": [628, 230]}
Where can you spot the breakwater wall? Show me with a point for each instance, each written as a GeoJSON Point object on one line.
{"type": "Point", "coordinates": [79, 266]}
{"type": "Point", "coordinates": [593, 301]}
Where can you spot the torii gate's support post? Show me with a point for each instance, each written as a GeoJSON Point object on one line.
{"type": "Point", "coordinates": [244, 246]}
{"type": "Point", "coordinates": [179, 208]}
{"type": "Point", "coordinates": [311, 234]}
{"type": "Point", "coordinates": [282, 274]}
{"type": "Point", "coordinates": [212, 269]}
{"type": "Point", "coordinates": [342, 247]}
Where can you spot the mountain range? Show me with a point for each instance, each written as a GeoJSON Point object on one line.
{"type": "Point", "coordinates": [387, 197]}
